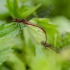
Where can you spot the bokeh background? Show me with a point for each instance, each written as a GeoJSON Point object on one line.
{"type": "Point", "coordinates": [25, 55]}
{"type": "Point", "coordinates": [62, 8]}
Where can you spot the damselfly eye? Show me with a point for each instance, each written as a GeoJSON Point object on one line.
{"type": "Point", "coordinates": [15, 20]}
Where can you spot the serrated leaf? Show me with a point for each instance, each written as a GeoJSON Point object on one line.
{"type": "Point", "coordinates": [7, 34]}
{"type": "Point", "coordinates": [28, 12]}
{"type": "Point", "coordinates": [37, 34]}
{"type": "Point", "coordinates": [20, 11]}
{"type": "Point", "coordinates": [50, 28]}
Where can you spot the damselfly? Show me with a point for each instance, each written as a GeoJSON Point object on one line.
{"type": "Point", "coordinates": [40, 36]}
{"type": "Point", "coordinates": [32, 29]}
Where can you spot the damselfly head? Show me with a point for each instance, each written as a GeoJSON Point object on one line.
{"type": "Point", "coordinates": [15, 20]}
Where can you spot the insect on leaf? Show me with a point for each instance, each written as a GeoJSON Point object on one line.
{"type": "Point", "coordinates": [37, 35]}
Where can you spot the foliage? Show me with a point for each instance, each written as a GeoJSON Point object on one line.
{"type": "Point", "coordinates": [6, 40]}
{"type": "Point", "coordinates": [22, 50]}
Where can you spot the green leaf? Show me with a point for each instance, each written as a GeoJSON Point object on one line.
{"type": "Point", "coordinates": [21, 11]}
{"type": "Point", "coordinates": [15, 63]}
{"type": "Point", "coordinates": [28, 11]}
{"type": "Point", "coordinates": [43, 59]}
{"type": "Point", "coordinates": [7, 34]}
{"type": "Point", "coordinates": [62, 23]}
{"type": "Point", "coordinates": [51, 30]}
{"type": "Point", "coordinates": [10, 7]}
{"type": "Point", "coordinates": [36, 34]}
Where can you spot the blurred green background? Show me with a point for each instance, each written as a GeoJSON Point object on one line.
{"type": "Point", "coordinates": [62, 8]}
{"type": "Point", "coordinates": [17, 50]}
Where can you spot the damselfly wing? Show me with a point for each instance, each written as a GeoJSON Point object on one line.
{"type": "Point", "coordinates": [42, 13]}
{"type": "Point", "coordinates": [45, 12]}
{"type": "Point", "coordinates": [37, 33]}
